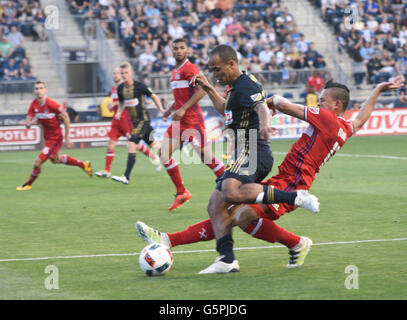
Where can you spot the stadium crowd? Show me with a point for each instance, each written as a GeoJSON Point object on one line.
{"type": "Point", "coordinates": [263, 32]}
{"type": "Point", "coordinates": [18, 19]}
{"type": "Point", "coordinates": [373, 33]}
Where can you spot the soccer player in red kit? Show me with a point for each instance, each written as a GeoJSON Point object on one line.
{"type": "Point", "coordinates": [326, 134]}
{"type": "Point", "coordinates": [49, 112]}
{"type": "Point", "coordinates": [121, 128]}
{"type": "Point", "coordinates": [188, 123]}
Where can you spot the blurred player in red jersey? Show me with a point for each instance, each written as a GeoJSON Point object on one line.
{"type": "Point", "coordinates": [326, 134]}
{"type": "Point", "coordinates": [49, 112]}
{"type": "Point", "coordinates": [121, 128]}
{"type": "Point", "coordinates": [188, 123]}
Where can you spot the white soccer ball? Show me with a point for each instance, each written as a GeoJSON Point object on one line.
{"type": "Point", "coordinates": [155, 260]}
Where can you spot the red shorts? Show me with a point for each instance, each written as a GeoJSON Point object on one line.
{"type": "Point", "coordinates": [194, 133]}
{"type": "Point", "coordinates": [120, 128]}
{"type": "Point", "coordinates": [275, 210]}
{"type": "Point", "coordinates": [51, 148]}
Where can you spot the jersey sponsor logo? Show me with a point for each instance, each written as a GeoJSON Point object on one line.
{"type": "Point", "coordinates": [177, 76]}
{"type": "Point", "coordinates": [256, 97]}
{"type": "Point", "coordinates": [313, 110]}
{"type": "Point", "coordinates": [179, 84]}
{"type": "Point", "coordinates": [309, 130]}
{"type": "Point", "coordinates": [228, 117]}
{"type": "Point", "coordinates": [128, 103]}
{"type": "Point", "coordinates": [44, 115]}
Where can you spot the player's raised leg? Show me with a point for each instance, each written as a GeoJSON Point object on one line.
{"type": "Point", "coordinates": [33, 176]}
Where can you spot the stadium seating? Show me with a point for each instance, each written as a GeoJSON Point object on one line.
{"type": "Point", "coordinates": [19, 19]}
{"type": "Point", "coordinates": [375, 30]}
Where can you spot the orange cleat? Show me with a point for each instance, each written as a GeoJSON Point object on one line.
{"type": "Point", "coordinates": [180, 199]}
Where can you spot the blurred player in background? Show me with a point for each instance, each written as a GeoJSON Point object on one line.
{"type": "Point", "coordinates": [326, 134]}
{"type": "Point", "coordinates": [130, 97]}
{"type": "Point", "coordinates": [121, 128]}
{"type": "Point", "coordinates": [49, 113]}
{"type": "Point", "coordinates": [188, 123]}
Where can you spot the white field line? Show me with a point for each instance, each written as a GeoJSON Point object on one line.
{"type": "Point", "coordinates": [375, 156]}
{"type": "Point", "coordinates": [194, 251]}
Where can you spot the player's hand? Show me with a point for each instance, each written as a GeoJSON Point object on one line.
{"type": "Point", "coordinates": [201, 80]}
{"type": "Point", "coordinates": [394, 84]}
{"type": "Point", "coordinates": [68, 143]}
{"type": "Point", "coordinates": [271, 106]}
{"type": "Point", "coordinates": [266, 133]}
{"type": "Point", "coordinates": [166, 114]}
{"type": "Point", "coordinates": [178, 114]}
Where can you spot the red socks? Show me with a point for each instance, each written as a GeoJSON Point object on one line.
{"type": "Point", "coordinates": [217, 167]}
{"type": "Point", "coordinates": [263, 229]}
{"type": "Point", "coordinates": [71, 161]}
{"type": "Point", "coordinates": [109, 159]}
{"type": "Point", "coordinates": [146, 150]}
{"type": "Point", "coordinates": [201, 231]}
{"type": "Point", "coordinates": [173, 171]}
{"type": "Point", "coordinates": [34, 175]}
{"type": "Point", "coordinates": [267, 230]}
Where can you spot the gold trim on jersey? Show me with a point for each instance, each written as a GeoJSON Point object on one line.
{"type": "Point", "coordinates": [137, 130]}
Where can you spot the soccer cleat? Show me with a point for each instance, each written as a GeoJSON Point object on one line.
{"type": "Point", "coordinates": [103, 174]}
{"type": "Point", "coordinates": [87, 168]}
{"type": "Point", "coordinates": [151, 235]}
{"type": "Point", "coordinates": [307, 201]}
{"type": "Point", "coordinates": [298, 255]}
{"type": "Point", "coordinates": [226, 156]}
{"type": "Point", "coordinates": [158, 168]}
{"type": "Point", "coordinates": [25, 187]}
{"type": "Point", "coordinates": [121, 179]}
{"type": "Point", "coordinates": [180, 199]}
{"type": "Point", "coordinates": [221, 267]}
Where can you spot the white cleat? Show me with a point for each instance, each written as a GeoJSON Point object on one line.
{"type": "Point", "coordinates": [151, 235]}
{"type": "Point", "coordinates": [221, 267]}
{"type": "Point", "coordinates": [307, 201]}
{"type": "Point", "coordinates": [121, 179]}
{"type": "Point", "coordinates": [103, 174]}
{"type": "Point", "coordinates": [299, 253]}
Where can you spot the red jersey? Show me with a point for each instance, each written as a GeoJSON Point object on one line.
{"type": "Point", "coordinates": [183, 91]}
{"type": "Point", "coordinates": [325, 135]}
{"type": "Point", "coordinates": [49, 115]}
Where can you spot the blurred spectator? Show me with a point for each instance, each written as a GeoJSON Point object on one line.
{"type": "Point", "coordinates": [79, 6]}
{"type": "Point", "coordinates": [401, 101]}
{"type": "Point", "coordinates": [373, 67]}
{"type": "Point", "coordinates": [401, 63]}
{"type": "Point", "coordinates": [6, 48]}
{"type": "Point", "coordinates": [315, 81]}
{"type": "Point", "coordinates": [311, 98]}
{"type": "Point", "coordinates": [266, 54]}
{"type": "Point", "coordinates": [26, 70]}
{"type": "Point", "coordinates": [16, 38]}
{"type": "Point", "coordinates": [39, 26]}
{"type": "Point", "coordinates": [358, 69]}
{"type": "Point", "coordinates": [145, 58]}
{"type": "Point", "coordinates": [72, 113]}
{"type": "Point", "coordinates": [175, 30]}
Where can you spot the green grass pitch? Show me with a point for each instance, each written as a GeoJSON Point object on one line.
{"type": "Point", "coordinates": [89, 224]}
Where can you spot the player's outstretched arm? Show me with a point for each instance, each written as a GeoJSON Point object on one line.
{"type": "Point", "coordinates": [369, 104]}
{"type": "Point", "coordinates": [198, 95]}
{"type": "Point", "coordinates": [218, 101]}
{"type": "Point", "coordinates": [67, 124]}
{"type": "Point", "coordinates": [265, 130]}
{"type": "Point", "coordinates": [286, 106]}
{"type": "Point", "coordinates": [157, 102]}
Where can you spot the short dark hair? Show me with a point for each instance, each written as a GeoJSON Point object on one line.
{"type": "Point", "coordinates": [225, 53]}
{"type": "Point", "coordinates": [180, 40]}
{"type": "Point", "coordinates": [339, 92]}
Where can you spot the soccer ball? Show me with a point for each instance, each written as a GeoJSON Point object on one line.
{"type": "Point", "coordinates": [155, 260]}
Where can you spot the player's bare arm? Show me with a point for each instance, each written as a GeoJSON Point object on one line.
{"type": "Point", "coordinates": [198, 95]}
{"type": "Point", "coordinates": [168, 112]}
{"type": "Point", "coordinates": [67, 124]}
{"type": "Point", "coordinates": [157, 102]}
{"type": "Point", "coordinates": [29, 121]}
{"type": "Point", "coordinates": [218, 101]}
{"type": "Point", "coordinates": [120, 109]}
{"type": "Point", "coordinates": [265, 130]}
{"type": "Point", "coordinates": [369, 104]}
{"type": "Point", "coordinates": [286, 106]}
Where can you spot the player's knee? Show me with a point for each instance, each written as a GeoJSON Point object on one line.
{"type": "Point", "coordinates": [232, 196]}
